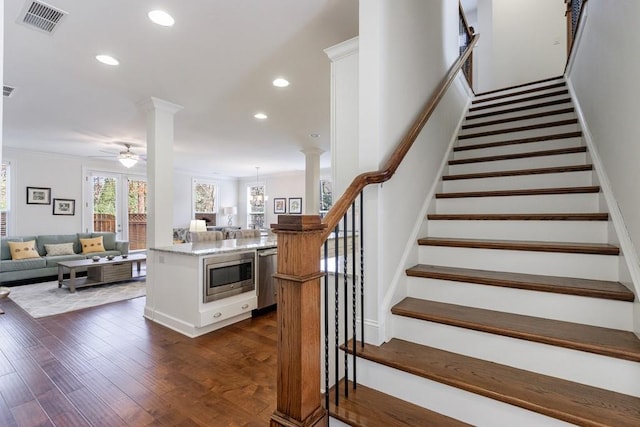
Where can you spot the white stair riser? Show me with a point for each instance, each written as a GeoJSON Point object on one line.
{"type": "Point", "coordinates": [573, 365]}
{"type": "Point", "coordinates": [519, 164]}
{"type": "Point", "coordinates": [554, 203]}
{"type": "Point", "coordinates": [456, 403]}
{"type": "Point", "coordinates": [517, 123]}
{"type": "Point", "coordinates": [520, 134]}
{"type": "Point", "coordinates": [519, 182]}
{"type": "Point", "coordinates": [512, 91]}
{"type": "Point", "coordinates": [546, 231]}
{"type": "Point", "coordinates": [569, 308]}
{"type": "Point", "coordinates": [516, 105]}
{"type": "Point", "coordinates": [519, 148]}
{"type": "Point", "coordinates": [470, 120]}
{"type": "Point", "coordinates": [584, 266]}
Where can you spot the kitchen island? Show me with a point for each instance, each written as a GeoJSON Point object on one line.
{"type": "Point", "coordinates": [177, 275]}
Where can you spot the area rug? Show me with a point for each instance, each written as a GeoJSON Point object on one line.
{"type": "Point", "coordinates": [46, 299]}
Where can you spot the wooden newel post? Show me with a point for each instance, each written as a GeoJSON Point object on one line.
{"type": "Point", "coordinates": [298, 281]}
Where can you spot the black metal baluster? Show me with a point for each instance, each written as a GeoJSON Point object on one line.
{"type": "Point", "coordinates": [345, 255]}
{"type": "Point", "coordinates": [337, 313]}
{"type": "Point", "coordinates": [354, 294]}
{"type": "Point", "coordinates": [362, 268]}
{"type": "Point", "coordinates": [326, 326]}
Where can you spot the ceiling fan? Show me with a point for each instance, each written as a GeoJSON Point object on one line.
{"type": "Point", "coordinates": [127, 157]}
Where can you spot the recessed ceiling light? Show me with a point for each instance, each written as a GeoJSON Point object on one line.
{"type": "Point", "coordinates": [280, 82]}
{"type": "Point", "coordinates": [161, 17]}
{"type": "Point", "coordinates": [107, 59]}
{"type": "Point", "coordinates": [260, 116]}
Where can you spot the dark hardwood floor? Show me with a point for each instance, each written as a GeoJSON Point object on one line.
{"type": "Point", "coordinates": [108, 366]}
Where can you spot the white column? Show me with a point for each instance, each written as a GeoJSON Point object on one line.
{"type": "Point", "coordinates": [344, 115]}
{"type": "Point", "coordinates": [312, 180]}
{"type": "Point", "coordinates": [160, 115]}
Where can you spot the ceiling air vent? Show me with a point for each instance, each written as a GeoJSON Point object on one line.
{"type": "Point", "coordinates": [39, 15]}
{"type": "Point", "coordinates": [7, 90]}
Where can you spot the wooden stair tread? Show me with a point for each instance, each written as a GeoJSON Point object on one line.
{"type": "Point", "coordinates": [520, 192]}
{"type": "Point", "coordinates": [518, 109]}
{"type": "Point", "coordinates": [593, 339]}
{"type": "Point", "coordinates": [543, 153]}
{"type": "Point", "coordinates": [518, 93]}
{"type": "Point", "coordinates": [541, 138]}
{"type": "Point", "coordinates": [533, 282]}
{"type": "Point", "coordinates": [520, 129]}
{"type": "Point", "coordinates": [519, 100]}
{"type": "Point", "coordinates": [366, 407]}
{"type": "Point", "coordinates": [519, 172]}
{"type": "Point", "coordinates": [561, 399]}
{"type": "Point", "coordinates": [598, 216]}
{"type": "Point", "coordinates": [520, 85]}
{"type": "Point", "coordinates": [523, 245]}
{"type": "Point", "coordinates": [520, 118]}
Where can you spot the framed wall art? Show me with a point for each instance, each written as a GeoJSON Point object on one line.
{"type": "Point", "coordinates": [279, 205]}
{"type": "Point", "coordinates": [38, 196]}
{"type": "Point", "coordinates": [64, 207]}
{"type": "Point", "coordinates": [295, 205]}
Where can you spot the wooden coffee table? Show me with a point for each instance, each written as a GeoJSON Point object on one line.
{"type": "Point", "coordinates": [99, 272]}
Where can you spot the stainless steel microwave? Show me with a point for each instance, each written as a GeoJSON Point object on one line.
{"type": "Point", "coordinates": [228, 274]}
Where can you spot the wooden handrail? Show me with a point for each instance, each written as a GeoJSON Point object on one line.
{"type": "Point", "coordinates": [571, 40]}
{"type": "Point", "coordinates": [463, 15]}
{"type": "Point", "coordinates": [339, 209]}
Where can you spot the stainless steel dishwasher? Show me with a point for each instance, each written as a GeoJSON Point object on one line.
{"type": "Point", "coordinates": [267, 264]}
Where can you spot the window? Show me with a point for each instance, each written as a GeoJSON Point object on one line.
{"type": "Point", "coordinates": [255, 206]}
{"type": "Point", "coordinates": [4, 198]}
{"type": "Point", "coordinates": [205, 200]}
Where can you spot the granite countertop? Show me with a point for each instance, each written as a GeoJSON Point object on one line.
{"type": "Point", "coordinates": [220, 246]}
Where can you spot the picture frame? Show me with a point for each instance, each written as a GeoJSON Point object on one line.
{"type": "Point", "coordinates": [279, 205]}
{"type": "Point", "coordinates": [38, 196]}
{"type": "Point", "coordinates": [326, 195]}
{"type": "Point", "coordinates": [295, 205]}
{"type": "Point", "coordinates": [64, 207]}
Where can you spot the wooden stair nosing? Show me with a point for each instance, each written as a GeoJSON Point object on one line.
{"type": "Point", "coordinates": [592, 339]}
{"type": "Point", "coordinates": [542, 153]}
{"type": "Point", "coordinates": [533, 282]}
{"type": "Point", "coordinates": [519, 129]}
{"type": "Point", "coordinates": [597, 216]}
{"type": "Point", "coordinates": [523, 245]}
{"type": "Point", "coordinates": [520, 192]}
{"type": "Point", "coordinates": [520, 85]}
{"type": "Point", "coordinates": [522, 92]}
{"type": "Point", "coordinates": [518, 109]}
{"type": "Point", "coordinates": [520, 118]}
{"type": "Point", "coordinates": [520, 100]}
{"type": "Point", "coordinates": [561, 399]}
{"type": "Point", "coordinates": [541, 138]}
{"type": "Point", "coordinates": [366, 407]}
{"type": "Point", "coordinates": [519, 172]}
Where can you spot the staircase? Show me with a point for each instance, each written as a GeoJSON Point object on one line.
{"type": "Point", "coordinates": [514, 316]}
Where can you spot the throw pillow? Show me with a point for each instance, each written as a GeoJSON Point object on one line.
{"type": "Point", "coordinates": [59, 249]}
{"type": "Point", "coordinates": [92, 245]}
{"type": "Point", "coordinates": [23, 250]}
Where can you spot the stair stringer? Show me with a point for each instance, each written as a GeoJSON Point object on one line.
{"type": "Point", "coordinates": [398, 288]}
{"type": "Point", "coordinates": [629, 263]}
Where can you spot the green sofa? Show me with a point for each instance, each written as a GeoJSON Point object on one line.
{"type": "Point", "coordinates": [47, 266]}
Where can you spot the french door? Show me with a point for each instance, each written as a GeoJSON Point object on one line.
{"type": "Point", "coordinates": [117, 203]}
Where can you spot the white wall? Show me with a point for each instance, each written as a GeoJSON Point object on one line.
{"type": "Point", "coordinates": [63, 174]}
{"type": "Point", "coordinates": [284, 185]}
{"type": "Point", "coordinates": [604, 76]}
{"type": "Point", "coordinates": [520, 41]}
{"type": "Point", "coordinates": [406, 47]}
